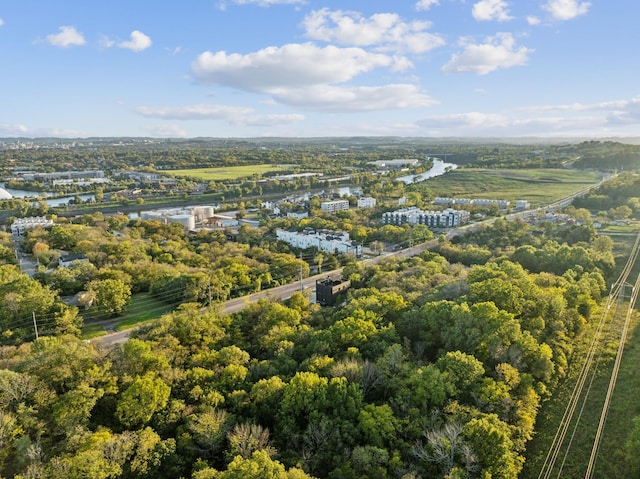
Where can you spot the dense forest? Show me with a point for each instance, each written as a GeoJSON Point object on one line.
{"type": "Point", "coordinates": [311, 154]}
{"type": "Point", "coordinates": [433, 366]}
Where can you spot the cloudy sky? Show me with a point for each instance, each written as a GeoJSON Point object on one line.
{"type": "Point", "coordinates": [248, 68]}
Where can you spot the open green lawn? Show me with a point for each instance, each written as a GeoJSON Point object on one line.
{"type": "Point", "coordinates": [225, 173]}
{"type": "Point", "coordinates": [92, 331]}
{"type": "Point", "coordinates": [142, 309]}
{"type": "Point", "coordinates": [631, 228]}
{"type": "Point", "coordinates": [538, 186]}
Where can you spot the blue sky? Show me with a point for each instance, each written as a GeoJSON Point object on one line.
{"type": "Point", "coordinates": [251, 68]}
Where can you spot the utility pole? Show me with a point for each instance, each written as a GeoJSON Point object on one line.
{"type": "Point", "coordinates": [35, 325]}
{"type": "Point", "coordinates": [301, 285]}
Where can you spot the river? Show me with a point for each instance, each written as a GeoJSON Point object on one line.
{"type": "Point", "coordinates": [53, 202]}
{"type": "Point", "coordinates": [439, 168]}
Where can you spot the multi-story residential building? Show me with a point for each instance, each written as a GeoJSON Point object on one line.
{"type": "Point", "coordinates": [438, 219]}
{"type": "Point", "coordinates": [502, 204]}
{"type": "Point", "coordinates": [20, 225]}
{"type": "Point", "coordinates": [335, 205]}
{"type": "Point", "coordinates": [323, 240]}
{"type": "Point", "coordinates": [298, 214]}
{"type": "Point", "coordinates": [366, 202]}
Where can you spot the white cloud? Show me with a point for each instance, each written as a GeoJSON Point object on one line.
{"type": "Point", "coordinates": [194, 112]}
{"type": "Point", "coordinates": [486, 10]}
{"type": "Point", "coordinates": [67, 37]}
{"type": "Point", "coordinates": [491, 124]}
{"type": "Point", "coordinates": [105, 42]}
{"type": "Point", "coordinates": [17, 130]}
{"type": "Point", "coordinates": [1, 22]}
{"type": "Point", "coordinates": [269, 120]}
{"type": "Point", "coordinates": [615, 117]}
{"type": "Point", "coordinates": [426, 4]}
{"type": "Point", "coordinates": [605, 105]}
{"type": "Point", "coordinates": [566, 9]}
{"type": "Point", "coordinates": [497, 52]}
{"type": "Point", "coordinates": [138, 42]}
{"type": "Point", "coordinates": [473, 120]}
{"type": "Point", "coordinates": [165, 131]}
{"type": "Point", "coordinates": [59, 133]}
{"type": "Point", "coordinates": [385, 31]}
{"type": "Point", "coordinates": [13, 129]}
{"type": "Point", "coordinates": [532, 20]}
{"type": "Point", "coordinates": [627, 113]}
{"type": "Point", "coordinates": [289, 66]}
{"type": "Point", "coordinates": [355, 98]}
{"type": "Point", "coordinates": [232, 114]}
{"type": "Point", "coordinates": [267, 3]}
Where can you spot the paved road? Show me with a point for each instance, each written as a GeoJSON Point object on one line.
{"type": "Point", "coordinates": [286, 291]}
{"type": "Point", "coordinates": [237, 304]}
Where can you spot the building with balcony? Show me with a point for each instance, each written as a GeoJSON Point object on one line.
{"type": "Point", "coordinates": [335, 205]}
{"type": "Point", "coordinates": [21, 225]}
{"type": "Point", "coordinates": [324, 240]}
{"type": "Point", "coordinates": [447, 218]}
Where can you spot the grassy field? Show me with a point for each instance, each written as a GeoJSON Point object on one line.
{"type": "Point", "coordinates": [538, 186]}
{"type": "Point", "coordinates": [92, 331]}
{"type": "Point", "coordinates": [225, 173]}
{"type": "Point", "coordinates": [142, 309]}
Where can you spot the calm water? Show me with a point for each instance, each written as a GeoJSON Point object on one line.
{"type": "Point", "coordinates": [58, 201]}
{"type": "Point", "coordinates": [439, 168]}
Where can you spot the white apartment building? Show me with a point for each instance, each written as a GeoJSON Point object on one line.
{"type": "Point", "coordinates": [324, 240]}
{"type": "Point", "coordinates": [448, 218]}
{"type": "Point", "coordinates": [333, 206]}
{"type": "Point", "coordinates": [366, 202]}
{"type": "Point", "coordinates": [502, 204]}
{"type": "Point", "coordinates": [20, 225]}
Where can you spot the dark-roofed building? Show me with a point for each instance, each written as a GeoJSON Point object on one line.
{"type": "Point", "coordinates": [328, 290]}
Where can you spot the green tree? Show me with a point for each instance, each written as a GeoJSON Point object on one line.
{"type": "Point", "coordinates": [141, 400]}
{"type": "Point", "coordinates": [490, 438]}
{"type": "Point", "coordinates": [108, 297]}
{"type": "Point", "coordinates": [259, 466]}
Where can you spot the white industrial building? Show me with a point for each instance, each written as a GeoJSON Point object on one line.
{"type": "Point", "coordinates": [224, 221]}
{"type": "Point", "coordinates": [323, 240]}
{"type": "Point", "coordinates": [60, 175]}
{"type": "Point", "coordinates": [366, 202]}
{"type": "Point", "coordinates": [335, 205]}
{"type": "Point", "coordinates": [188, 217]}
{"type": "Point", "coordinates": [438, 219]}
{"type": "Point", "coordinates": [396, 164]}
